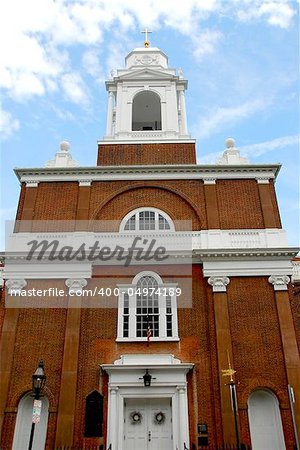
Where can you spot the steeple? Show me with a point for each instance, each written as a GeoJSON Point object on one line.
{"type": "Point", "coordinates": [146, 100]}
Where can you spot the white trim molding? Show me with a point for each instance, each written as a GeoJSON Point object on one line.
{"type": "Point", "coordinates": [279, 282]}
{"type": "Point", "coordinates": [153, 172]}
{"type": "Point", "coordinates": [245, 267]}
{"type": "Point", "coordinates": [219, 284]}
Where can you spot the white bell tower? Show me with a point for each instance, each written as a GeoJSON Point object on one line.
{"type": "Point", "coordinates": [146, 100]}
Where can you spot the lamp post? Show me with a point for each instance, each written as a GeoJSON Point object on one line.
{"type": "Point", "coordinates": [38, 383]}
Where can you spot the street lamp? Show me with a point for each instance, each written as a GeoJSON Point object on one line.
{"type": "Point", "coordinates": [38, 383]}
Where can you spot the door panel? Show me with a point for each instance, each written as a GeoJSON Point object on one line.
{"type": "Point", "coordinates": [148, 433]}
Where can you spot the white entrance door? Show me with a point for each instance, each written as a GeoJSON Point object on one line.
{"type": "Point", "coordinates": [148, 424]}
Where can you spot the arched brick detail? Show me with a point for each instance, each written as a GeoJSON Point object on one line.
{"type": "Point", "coordinates": [257, 384]}
{"type": "Point", "coordinates": [175, 204]}
{"type": "Point", "coordinates": [16, 397]}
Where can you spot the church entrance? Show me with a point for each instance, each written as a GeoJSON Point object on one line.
{"type": "Point", "coordinates": [148, 424]}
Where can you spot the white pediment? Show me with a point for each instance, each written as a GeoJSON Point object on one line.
{"type": "Point", "coordinates": [146, 73]}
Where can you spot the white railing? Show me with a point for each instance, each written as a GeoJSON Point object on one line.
{"type": "Point", "coordinates": [196, 240]}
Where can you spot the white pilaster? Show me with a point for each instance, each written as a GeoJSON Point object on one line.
{"type": "Point", "coordinates": [183, 417]}
{"type": "Point", "coordinates": [183, 113]}
{"type": "Point", "coordinates": [113, 418]}
{"type": "Point", "coordinates": [110, 108]}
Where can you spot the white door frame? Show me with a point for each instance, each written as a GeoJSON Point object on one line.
{"type": "Point", "coordinates": [168, 381]}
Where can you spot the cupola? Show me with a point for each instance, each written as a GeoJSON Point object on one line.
{"type": "Point", "coordinates": [146, 99]}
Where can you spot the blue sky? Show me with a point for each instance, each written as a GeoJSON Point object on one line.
{"type": "Point", "coordinates": [239, 56]}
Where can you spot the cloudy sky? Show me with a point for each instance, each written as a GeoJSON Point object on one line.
{"type": "Point", "coordinates": [240, 57]}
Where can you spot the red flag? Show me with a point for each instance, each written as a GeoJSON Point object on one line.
{"type": "Point", "coordinates": [149, 334]}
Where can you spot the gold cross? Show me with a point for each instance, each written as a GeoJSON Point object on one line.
{"type": "Point", "coordinates": [145, 32]}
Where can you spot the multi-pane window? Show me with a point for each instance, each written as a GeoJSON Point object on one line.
{"type": "Point", "coordinates": [147, 306]}
{"type": "Point", "coordinates": [147, 219]}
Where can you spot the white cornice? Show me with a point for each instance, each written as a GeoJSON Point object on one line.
{"type": "Point", "coordinates": [148, 172]}
{"type": "Point", "coordinates": [160, 140]}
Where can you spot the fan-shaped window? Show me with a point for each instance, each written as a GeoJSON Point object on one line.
{"type": "Point", "coordinates": [146, 112]}
{"type": "Point", "coordinates": [24, 422]}
{"type": "Point", "coordinates": [93, 415]}
{"type": "Point", "coordinates": [147, 219]}
{"type": "Point", "coordinates": [265, 421]}
{"type": "Point", "coordinates": [147, 309]}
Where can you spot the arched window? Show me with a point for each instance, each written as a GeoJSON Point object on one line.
{"type": "Point", "coordinates": [147, 219]}
{"type": "Point", "coordinates": [24, 422]}
{"type": "Point", "coordinates": [147, 305]}
{"type": "Point", "coordinates": [265, 421]}
{"type": "Point", "coordinates": [146, 111]}
{"type": "Point", "coordinates": [93, 415]}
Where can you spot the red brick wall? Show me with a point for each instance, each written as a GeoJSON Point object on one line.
{"type": "Point", "coordinates": [257, 347]}
{"type": "Point", "coordinates": [145, 154]}
{"type": "Point", "coordinates": [257, 353]}
{"type": "Point", "coordinates": [275, 204]}
{"type": "Point", "coordinates": [238, 201]}
{"type": "Point", "coordinates": [98, 346]}
{"type": "Point", "coordinates": [40, 335]}
{"type": "Point", "coordinates": [56, 201]}
{"type": "Point", "coordinates": [239, 204]}
{"type": "Point", "coordinates": [295, 306]}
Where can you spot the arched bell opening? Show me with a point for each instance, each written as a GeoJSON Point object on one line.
{"type": "Point", "coordinates": [146, 111]}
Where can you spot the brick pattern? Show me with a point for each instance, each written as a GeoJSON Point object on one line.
{"type": "Point", "coordinates": [254, 328]}
{"type": "Point", "coordinates": [275, 204]}
{"type": "Point", "coordinates": [255, 332]}
{"type": "Point", "coordinates": [21, 201]}
{"type": "Point", "coordinates": [56, 201]}
{"type": "Point", "coordinates": [239, 204]}
{"type": "Point", "coordinates": [98, 346]}
{"type": "Point", "coordinates": [294, 294]}
{"type": "Point", "coordinates": [173, 199]}
{"type": "Point", "coordinates": [40, 335]}
{"type": "Point", "coordinates": [145, 154]}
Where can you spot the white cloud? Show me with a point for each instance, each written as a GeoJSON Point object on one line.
{"type": "Point", "coordinates": [205, 43]}
{"type": "Point", "coordinates": [74, 88]}
{"type": "Point", "coordinates": [222, 117]}
{"type": "Point", "coordinates": [7, 124]}
{"type": "Point", "coordinates": [255, 150]}
{"type": "Point", "coordinates": [91, 64]}
{"type": "Point", "coordinates": [40, 37]}
{"type": "Point", "coordinates": [277, 13]}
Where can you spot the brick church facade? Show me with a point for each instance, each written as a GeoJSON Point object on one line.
{"type": "Point", "coordinates": [243, 305]}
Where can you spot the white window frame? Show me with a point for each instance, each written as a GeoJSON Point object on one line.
{"type": "Point", "coordinates": [136, 213]}
{"type": "Point", "coordinates": [132, 337]}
